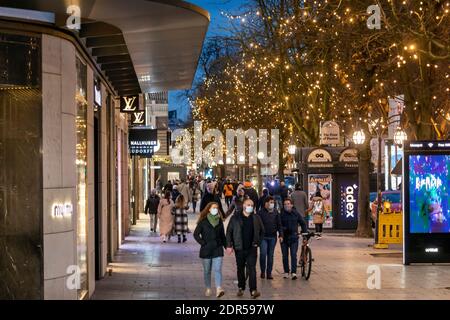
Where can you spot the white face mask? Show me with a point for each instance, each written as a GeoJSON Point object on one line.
{"type": "Point", "coordinates": [271, 206]}
{"type": "Point", "coordinates": [249, 209]}
{"type": "Point", "coordinates": [214, 211]}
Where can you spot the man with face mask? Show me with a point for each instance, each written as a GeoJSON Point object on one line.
{"type": "Point", "coordinates": [290, 220]}
{"type": "Point", "coordinates": [272, 225]}
{"type": "Point", "coordinates": [244, 234]}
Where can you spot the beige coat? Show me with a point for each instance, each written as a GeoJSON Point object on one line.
{"type": "Point", "coordinates": [165, 216]}
{"type": "Point", "coordinates": [318, 215]}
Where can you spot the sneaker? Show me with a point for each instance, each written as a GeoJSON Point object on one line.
{"type": "Point", "coordinates": [294, 276]}
{"type": "Point", "coordinates": [208, 292]}
{"type": "Point", "coordinates": [255, 294]}
{"type": "Point", "coordinates": [269, 277]}
{"type": "Point", "coordinates": [263, 276]}
{"type": "Point", "coordinates": [286, 275]}
{"type": "Point", "coordinates": [220, 292]}
{"type": "Point", "coordinates": [240, 293]}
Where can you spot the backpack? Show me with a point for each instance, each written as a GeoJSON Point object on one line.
{"type": "Point", "coordinates": [317, 207]}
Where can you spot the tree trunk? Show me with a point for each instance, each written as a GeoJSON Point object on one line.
{"type": "Point", "coordinates": [364, 223]}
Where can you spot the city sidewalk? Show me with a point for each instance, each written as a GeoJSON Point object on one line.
{"type": "Point", "coordinates": [145, 268]}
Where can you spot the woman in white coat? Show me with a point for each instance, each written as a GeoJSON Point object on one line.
{"type": "Point", "coordinates": [165, 217]}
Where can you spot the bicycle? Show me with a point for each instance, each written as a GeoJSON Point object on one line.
{"type": "Point", "coordinates": [306, 258]}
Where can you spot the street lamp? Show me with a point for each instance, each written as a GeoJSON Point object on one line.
{"type": "Point", "coordinates": [359, 137]}
{"type": "Point", "coordinates": [291, 149]}
{"type": "Point", "coordinates": [400, 136]}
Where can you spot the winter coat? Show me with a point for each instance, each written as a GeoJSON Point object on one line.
{"type": "Point", "coordinates": [318, 210]}
{"type": "Point", "coordinates": [290, 221]}
{"type": "Point", "coordinates": [212, 239]}
{"type": "Point", "coordinates": [271, 222]}
{"type": "Point", "coordinates": [300, 200]}
{"type": "Point", "coordinates": [234, 232]}
{"type": "Point", "coordinates": [175, 194]}
{"type": "Point", "coordinates": [181, 219]}
{"type": "Point", "coordinates": [165, 216]}
{"type": "Point", "coordinates": [236, 206]}
{"type": "Point", "coordinates": [184, 190]}
{"type": "Point", "coordinates": [152, 204]}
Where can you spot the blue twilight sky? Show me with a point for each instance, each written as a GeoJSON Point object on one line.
{"type": "Point", "coordinates": [218, 22]}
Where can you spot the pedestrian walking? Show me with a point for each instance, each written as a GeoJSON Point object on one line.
{"type": "Point", "coordinates": [272, 227]}
{"type": "Point", "coordinates": [151, 208]}
{"type": "Point", "coordinates": [179, 211]}
{"type": "Point", "coordinates": [211, 195]}
{"type": "Point", "coordinates": [228, 192]}
{"type": "Point", "coordinates": [317, 210]}
{"type": "Point", "coordinates": [244, 234]}
{"type": "Point", "coordinates": [168, 187]}
{"type": "Point", "coordinates": [262, 199]}
{"type": "Point", "coordinates": [290, 221]}
{"type": "Point", "coordinates": [175, 192]}
{"type": "Point", "coordinates": [236, 204]}
{"type": "Point", "coordinates": [300, 200]}
{"type": "Point", "coordinates": [165, 217]}
{"type": "Point", "coordinates": [251, 192]}
{"type": "Point", "coordinates": [183, 188]}
{"type": "Point", "coordinates": [210, 234]}
{"type": "Point", "coordinates": [196, 197]}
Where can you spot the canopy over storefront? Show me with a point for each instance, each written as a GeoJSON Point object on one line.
{"type": "Point", "coordinates": [140, 45]}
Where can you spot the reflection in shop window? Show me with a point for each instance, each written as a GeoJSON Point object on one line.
{"type": "Point", "coordinates": [81, 162]}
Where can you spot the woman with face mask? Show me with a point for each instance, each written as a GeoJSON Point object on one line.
{"type": "Point", "coordinates": [210, 234]}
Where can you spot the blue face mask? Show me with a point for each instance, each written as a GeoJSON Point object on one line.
{"type": "Point", "coordinates": [214, 211]}
{"type": "Point", "coordinates": [249, 209]}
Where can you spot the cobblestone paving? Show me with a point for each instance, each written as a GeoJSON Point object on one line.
{"type": "Point", "coordinates": [145, 268]}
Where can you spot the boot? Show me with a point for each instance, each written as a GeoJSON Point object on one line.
{"type": "Point", "coordinates": [184, 238]}
{"type": "Point", "coordinates": [179, 239]}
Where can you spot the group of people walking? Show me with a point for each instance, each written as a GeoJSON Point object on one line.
{"type": "Point", "coordinates": [256, 222]}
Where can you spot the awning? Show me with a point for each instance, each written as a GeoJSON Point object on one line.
{"type": "Point", "coordinates": [141, 45]}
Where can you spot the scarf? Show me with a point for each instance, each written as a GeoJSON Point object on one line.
{"type": "Point", "coordinates": [214, 220]}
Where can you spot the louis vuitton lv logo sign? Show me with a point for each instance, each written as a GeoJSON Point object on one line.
{"type": "Point", "coordinates": [138, 118]}
{"type": "Point", "coordinates": [129, 104]}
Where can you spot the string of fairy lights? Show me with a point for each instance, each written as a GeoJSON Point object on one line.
{"type": "Point", "coordinates": [307, 65]}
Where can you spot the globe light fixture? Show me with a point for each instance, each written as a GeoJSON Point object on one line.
{"type": "Point", "coordinates": [260, 155]}
{"type": "Point", "coordinates": [359, 137]}
{"type": "Point", "coordinates": [400, 136]}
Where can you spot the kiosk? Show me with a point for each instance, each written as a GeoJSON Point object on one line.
{"type": "Point", "coordinates": [426, 172]}
{"type": "Point", "coordinates": [334, 172]}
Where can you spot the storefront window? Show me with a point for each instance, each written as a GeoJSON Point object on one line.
{"type": "Point", "coordinates": [20, 168]}
{"type": "Point", "coordinates": [81, 99]}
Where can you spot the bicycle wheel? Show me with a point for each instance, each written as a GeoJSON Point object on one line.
{"type": "Point", "coordinates": [307, 261]}
{"type": "Point", "coordinates": [302, 263]}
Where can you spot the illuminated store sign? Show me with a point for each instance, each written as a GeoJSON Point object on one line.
{"type": "Point", "coordinates": [138, 118]}
{"type": "Point", "coordinates": [129, 104]}
{"type": "Point", "coordinates": [143, 142]}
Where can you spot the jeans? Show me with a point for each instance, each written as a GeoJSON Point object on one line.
{"type": "Point", "coordinates": [153, 221]}
{"type": "Point", "coordinates": [246, 259]}
{"type": "Point", "coordinates": [266, 254]}
{"type": "Point", "coordinates": [319, 227]}
{"type": "Point", "coordinates": [214, 264]}
{"type": "Point", "coordinates": [289, 246]}
{"type": "Point", "coordinates": [194, 206]}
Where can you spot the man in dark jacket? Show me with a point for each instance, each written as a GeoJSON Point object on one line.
{"type": "Point", "coordinates": [262, 199]}
{"type": "Point", "coordinates": [272, 225]}
{"type": "Point", "coordinates": [151, 207]}
{"type": "Point", "coordinates": [244, 234]}
{"type": "Point", "coordinates": [290, 220]}
{"type": "Point", "coordinates": [168, 187]}
{"type": "Point", "coordinates": [251, 192]}
{"type": "Point", "coordinates": [211, 195]}
{"type": "Point", "coordinates": [300, 200]}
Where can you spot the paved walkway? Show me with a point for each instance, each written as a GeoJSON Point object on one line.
{"type": "Point", "coordinates": [144, 268]}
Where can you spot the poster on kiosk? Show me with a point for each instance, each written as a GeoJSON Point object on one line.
{"type": "Point", "coordinates": [426, 169]}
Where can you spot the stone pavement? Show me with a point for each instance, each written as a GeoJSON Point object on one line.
{"type": "Point", "coordinates": [145, 268]}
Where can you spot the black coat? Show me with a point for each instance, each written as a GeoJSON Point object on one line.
{"type": "Point", "coordinates": [234, 232]}
{"type": "Point", "coordinates": [212, 239]}
{"type": "Point", "coordinates": [253, 195]}
{"type": "Point", "coordinates": [151, 205]}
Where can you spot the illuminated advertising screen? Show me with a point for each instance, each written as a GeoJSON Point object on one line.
{"type": "Point", "coordinates": [347, 217]}
{"type": "Point", "coordinates": [322, 183]}
{"type": "Point", "coordinates": [429, 201]}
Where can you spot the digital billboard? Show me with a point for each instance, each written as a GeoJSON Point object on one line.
{"type": "Point", "coordinates": [429, 201]}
